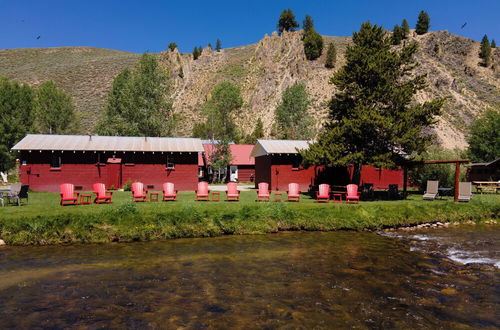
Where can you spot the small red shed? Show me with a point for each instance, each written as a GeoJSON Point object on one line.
{"type": "Point", "coordinates": [242, 166]}
{"type": "Point", "coordinates": [50, 160]}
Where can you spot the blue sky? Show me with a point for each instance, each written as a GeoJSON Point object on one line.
{"type": "Point", "coordinates": [140, 26]}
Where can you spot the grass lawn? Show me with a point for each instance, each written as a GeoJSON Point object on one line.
{"type": "Point", "coordinates": [44, 221]}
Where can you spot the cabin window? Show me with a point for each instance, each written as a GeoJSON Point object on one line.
{"type": "Point", "coordinates": [296, 164]}
{"type": "Point", "coordinates": [170, 163]}
{"type": "Point", "coordinates": [55, 161]}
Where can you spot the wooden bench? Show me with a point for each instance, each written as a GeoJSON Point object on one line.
{"type": "Point", "coordinates": [481, 186]}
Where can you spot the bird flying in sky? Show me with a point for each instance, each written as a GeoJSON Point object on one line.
{"type": "Point", "coordinates": [463, 25]}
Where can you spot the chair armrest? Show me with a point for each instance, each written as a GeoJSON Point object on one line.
{"type": "Point", "coordinates": [77, 194]}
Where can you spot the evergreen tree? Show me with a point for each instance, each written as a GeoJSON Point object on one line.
{"type": "Point", "coordinates": [493, 43]}
{"type": "Point", "coordinates": [258, 133]}
{"type": "Point", "coordinates": [218, 45]}
{"type": "Point", "coordinates": [17, 108]}
{"type": "Point", "coordinates": [397, 35]}
{"type": "Point", "coordinates": [137, 104]}
{"type": "Point", "coordinates": [485, 53]}
{"type": "Point", "coordinates": [423, 23]}
{"type": "Point", "coordinates": [313, 41]}
{"type": "Point", "coordinates": [307, 24]}
{"type": "Point", "coordinates": [292, 120]}
{"type": "Point", "coordinates": [331, 56]}
{"type": "Point", "coordinates": [406, 28]}
{"type": "Point", "coordinates": [373, 118]}
{"type": "Point", "coordinates": [172, 46]}
{"type": "Point", "coordinates": [209, 46]}
{"type": "Point", "coordinates": [484, 138]}
{"type": "Point", "coordinates": [197, 52]}
{"type": "Point", "coordinates": [287, 21]}
{"type": "Point", "coordinates": [55, 110]}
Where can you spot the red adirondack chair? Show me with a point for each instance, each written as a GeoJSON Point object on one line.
{"type": "Point", "coordinates": [263, 194]}
{"type": "Point", "coordinates": [202, 193]}
{"type": "Point", "coordinates": [68, 194]}
{"type": "Point", "coordinates": [293, 192]}
{"type": "Point", "coordinates": [232, 193]}
{"type": "Point", "coordinates": [352, 193]}
{"type": "Point", "coordinates": [138, 192]}
{"type": "Point", "coordinates": [323, 193]}
{"type": "Point", "coordinates": [101, 194]}
{"type": "Point", "coordinates": [169, 192]}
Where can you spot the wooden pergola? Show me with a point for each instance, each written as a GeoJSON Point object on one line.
{"type": "Point", "coordinates": [457, 163]}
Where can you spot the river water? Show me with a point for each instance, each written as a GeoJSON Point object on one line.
{"type": "Point", "coordinates": [285, 280]}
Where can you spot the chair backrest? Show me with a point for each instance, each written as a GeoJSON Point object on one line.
{"type": "Point", "coordinates": [324, 189]}
{"type": "Point", "coordinates": [465, 189]}
{"type": "Point", "coordinates": [263, 188]}
{"type": "Point", "coordinates": [67, 190]}
{"type": "Point", "coordinates": [293, 189]}
{"type": "Point", "coordinates": [352, 190]}
{"type": "Point", "coordinates": [24, 191]}
{"type": "Point", "coordinates": [168, 188]}
{"type": "Point", "coordinates": [432, 187]}
{"type": "Point", "coordinates": [232, 188]}
{"type": "Point", "coordinates": [203, 188]}
{"type": "Point", "coordinates": [99, 189]}
{"type": "Point", "coordinates": [15, 188]}
{"type": "Point", "coordinates": [137, 188]}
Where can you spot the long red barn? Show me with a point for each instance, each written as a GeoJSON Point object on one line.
{"type": "Point", "coordinates": [50, 160]}
{"type": "Point", "coordinates": [277, 162]}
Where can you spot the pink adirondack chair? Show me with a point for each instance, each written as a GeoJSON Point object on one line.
{"type": "Point", "coordinates": [101, 194]}
{"type": "Point", "coordinates": [202, 193]}
{"type": "Point", "coordinates": [138, 192]}
{"type": "Point", "coordinates": [169, 192]}
{"type": "Point", "coordinates": [232, 193]}
{"type": "Point", "coordinates": [352, 193]}
{"type": "Point", "coordinates": [293, 192]}
{"type": "Point", "coordinates": [323, 193]}
{"type": "Point", "coordinates": [263, 194]}
{"type": "Point", "coordinates": [68, 194]}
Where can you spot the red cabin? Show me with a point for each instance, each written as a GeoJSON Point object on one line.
{"type": "Point", "coordinates": [242, 166]}
{"type": "Point", "coordinates": [277, 162]}
{"type": "Point", "coordinates": [50, 160]}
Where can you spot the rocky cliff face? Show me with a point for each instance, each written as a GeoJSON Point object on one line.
{"type": "Point", "coordinates": [264, 70]}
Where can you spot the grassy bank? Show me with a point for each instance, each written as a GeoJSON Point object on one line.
{"type": "Point", "coordinates": [43, 221]}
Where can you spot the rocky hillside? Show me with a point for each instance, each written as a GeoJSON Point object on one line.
{"type": "Point", "coordinates": [263, 70]}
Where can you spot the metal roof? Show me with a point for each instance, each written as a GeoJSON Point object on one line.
{"type": "Point", "coordinates": [107, 143]}
{"type": "Point", "coordinates": [267, 147]}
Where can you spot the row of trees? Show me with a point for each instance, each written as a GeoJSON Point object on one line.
{"type": "Point", "coordinates": [25, 109]}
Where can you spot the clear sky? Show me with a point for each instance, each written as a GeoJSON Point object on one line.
{"type": "Point", "coordinates": [140, 26]}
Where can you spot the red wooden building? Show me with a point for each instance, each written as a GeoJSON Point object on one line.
{"type": "Point", "coordinates": [277, 162]}
{"type": "Point", "coordinates": [242, 165]}
{"type": "Point", "coordinates": [50, 160]}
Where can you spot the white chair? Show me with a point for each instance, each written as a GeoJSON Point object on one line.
{"type": "Point", "coordinates": [432, 190]}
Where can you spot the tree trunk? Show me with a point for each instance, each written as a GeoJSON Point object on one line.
{"type": "Point", "coordinates": [356, 174]}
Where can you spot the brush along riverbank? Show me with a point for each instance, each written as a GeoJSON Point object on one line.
{"type": "Point", "coordinates": [43, 221]}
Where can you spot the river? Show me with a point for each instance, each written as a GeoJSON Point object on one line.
{"type": "Point", "coordinates": [292, 280]}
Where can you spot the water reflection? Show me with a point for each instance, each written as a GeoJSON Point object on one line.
{"type": "Point", "coordinates": [338, 279]}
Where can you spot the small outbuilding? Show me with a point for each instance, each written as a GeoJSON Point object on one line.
{"type": "Point", "coordinates": [484, 171]}
{"type": "Point", "coordinates": [50, 160]}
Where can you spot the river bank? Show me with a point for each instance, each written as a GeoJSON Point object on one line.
{"type": "Point", "coordinates": [44, 222]}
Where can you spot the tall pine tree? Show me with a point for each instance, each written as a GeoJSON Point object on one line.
{"type": "Point", "coordinates": [331, 56]}
{"type": "Point", "coordinates": [406, 28]}
{"type": "Point", "coordinates": [397, 35]}
{"type": "Point", "coordinates": [423, 23]}
{"type": "Point", "coordinates": [287, 21]}
{"type": "Point", "coordinates": [485, 53]}
{"type": "Point", "coordinates": [373, 118]}
{"type": "Point", "coordinates": [313, 41]}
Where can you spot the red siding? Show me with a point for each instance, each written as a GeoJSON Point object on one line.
{"type": "Point", "coordinates": [82, 169]}
{"type": "Point", "coordinates": [262, 170]}
{"type": "Point", "coordinates": [245, 172]}
{"type": "Point", "coordinates": [381, 178]}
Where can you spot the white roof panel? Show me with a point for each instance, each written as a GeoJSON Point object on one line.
{"type": "Point", "coordinates": [107, 143]}
{"type": "Point", "coordinates": [267, 147]}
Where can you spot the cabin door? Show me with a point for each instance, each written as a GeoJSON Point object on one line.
{"type": "Point", "coordinates": [233, 173]}
{"type": "Point", "coordinates": [114, 175]}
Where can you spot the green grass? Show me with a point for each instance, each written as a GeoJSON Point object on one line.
{"type": "Point", "coordinates": [43, 221]}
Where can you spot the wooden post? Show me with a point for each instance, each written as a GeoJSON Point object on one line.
{"type": "Point", "coordinates": [405, 182]}
{"type": "Point", "coordinates": [457, 179]}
